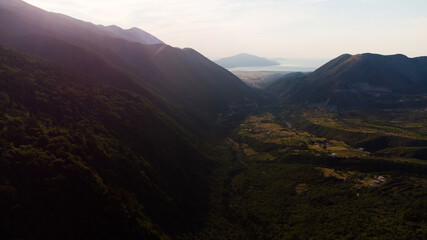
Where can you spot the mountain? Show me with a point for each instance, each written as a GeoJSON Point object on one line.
{"type": "Point", "coordinates": [182, 76]}
{"type": "Point", "coordinates": [82, 158]}
{"type": "Point", "coordinates": [105, 136]}
{"type": "Point", "coordinates": [352, 81]}
{"type": "Point", "coordinates": [245, 60]}
{"type": "Point", "coordinates": [132, 35]}
{"type": "Point", "coordinates": [38, 21]}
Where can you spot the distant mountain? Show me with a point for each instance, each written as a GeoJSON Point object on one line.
{"type": "Point", "coordinates": [349, 82]}
{"type": "Point", "coordinates": [245, 60]}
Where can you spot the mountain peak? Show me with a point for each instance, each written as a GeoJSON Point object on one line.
{"type": "Point", "coordinates": [115, 27]}
{"type": "Point", "coordinates": [23, 15]}
{"type": "Point", "coordinates": [133, 34]}
{"type": "Point", "coordinates": [345, 55]}
{"type": "Point", "coordinates": [134, 29]}
{"type": "Point", "coordinates": [245, 54]}
{"type": "Point", "coordinates": [350, 81]}
{"type": "Point", "coordinates": [245, 60]}
{"type": "Point", "coordinates": [376, 55]}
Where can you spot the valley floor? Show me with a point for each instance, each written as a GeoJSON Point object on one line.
{"type": "Point", "coordinates": [276, 180]}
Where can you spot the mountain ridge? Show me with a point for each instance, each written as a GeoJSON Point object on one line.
{"type": "Point", "coordinates": [117, 134]}
{"type": "Point", "coordinates": [65, 25]}
{"type": "Point", "coordinates": [165, 70]}
{"type": "Point", "coordinates": [88, 147]}
{"type": "Point", "coordinates": [352, 81]}
{"type": "Point", "coordinates": [133, 34]}
{"type": "Point", "coordinates": [245, 60]}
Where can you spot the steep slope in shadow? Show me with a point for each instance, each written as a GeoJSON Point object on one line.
{"type": "Point", "coordinates": [182, 76]}
{"type": "Point", "coordinates": [84, 159]}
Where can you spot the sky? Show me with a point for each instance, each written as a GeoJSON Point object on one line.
{"type": "Point", "coordinates": [268, 28]}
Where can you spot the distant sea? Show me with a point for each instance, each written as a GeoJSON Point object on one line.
{"type": "Point", "coordinates": [286, 65]}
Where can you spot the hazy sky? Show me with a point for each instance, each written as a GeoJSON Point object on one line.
{"type": "Point", "coordinates": [268, 28]}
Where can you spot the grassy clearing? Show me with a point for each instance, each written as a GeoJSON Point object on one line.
{"type": "Point", "coordinates": [327, 172]}
{"type": "Point", "coordinates": [249, 151]}
{"type": "Point", "coordinates": [358, 179]}
{"type": "Point", "coordinates": [301, 188]}
{"type": "Point", "coordinates": [402, 123]}
{"type": "Point", "coordinates": [267, 129]}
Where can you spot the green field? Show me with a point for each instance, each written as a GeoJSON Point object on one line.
{"type": "Point", "coordinates": [402, 123]}
{"type": "Point", "coordinates": [279, 181]}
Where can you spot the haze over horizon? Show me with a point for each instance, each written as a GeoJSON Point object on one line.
{"type": "Point", "coordinates": [290, 29]}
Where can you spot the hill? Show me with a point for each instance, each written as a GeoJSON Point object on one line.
{"type": "Point", "coordinates": [38, 21]}
{"type": "Point", "coordinates": [182, 76]}
{"type": "Point", "coordinates": [102, 136]}
{"type": "Point", "coordinates": [81, 158]}
{"type": "Point", "coordinates": [132, 35]}
{"type": "Point", "coordinates": [245, 60]}
{"type": "Point", "coordinates": [349, 82]}
{"type": "Point", "coordinates": [108, 133]}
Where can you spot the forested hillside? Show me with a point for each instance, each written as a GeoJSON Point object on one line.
{"type": "Point", "coordinates": [80, 158]}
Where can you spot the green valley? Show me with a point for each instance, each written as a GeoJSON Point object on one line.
{"type": "Point", "coordinates": [284, 183]}
{"type": "Point", "coordinates": [111, 133]}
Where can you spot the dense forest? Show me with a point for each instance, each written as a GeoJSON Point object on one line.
{"type": "Point", "coordinates": [77, 157]}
